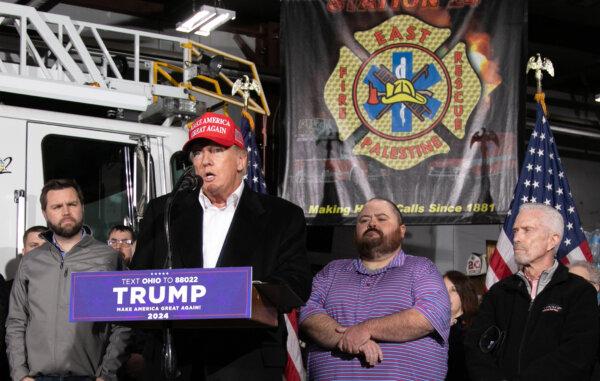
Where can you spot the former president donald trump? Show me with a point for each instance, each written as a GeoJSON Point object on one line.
{"type": "Point", "coordinates": [223, 224]}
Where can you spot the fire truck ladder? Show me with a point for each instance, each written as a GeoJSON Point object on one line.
{"type": "Point", "coordinates": [69, 60]}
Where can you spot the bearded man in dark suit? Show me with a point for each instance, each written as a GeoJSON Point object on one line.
{"type": "Point", "coordinates": [225, 224]}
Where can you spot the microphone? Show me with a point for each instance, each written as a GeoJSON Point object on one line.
{"type": "Point", "coordinates": [189, 181]}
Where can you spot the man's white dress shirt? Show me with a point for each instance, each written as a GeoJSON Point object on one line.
{"type": "Point", "coordinates": [215, 225]}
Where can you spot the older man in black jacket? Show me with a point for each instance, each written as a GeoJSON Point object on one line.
{"type": "Point", "coordinates": [538, 324]}
{"type": "Point", "coordinates": [227, 224]}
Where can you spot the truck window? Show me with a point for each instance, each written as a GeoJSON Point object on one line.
{"type": "Point", "coordinates": [180, 161]}
{"type": "Point", "coordinates": [99, 168]}
{"type": "Point", "coordinates": [144, 183]}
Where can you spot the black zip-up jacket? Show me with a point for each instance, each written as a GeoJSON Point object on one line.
{"type": "Point", "coordinates": [553, 337]}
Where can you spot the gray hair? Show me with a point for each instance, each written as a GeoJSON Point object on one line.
{"type": "Point", "coordinates": [592, 270]}
{"type": "Point", "coordinates": [553, 220]}
{"type": "Point", "coordinates": [241, 151]}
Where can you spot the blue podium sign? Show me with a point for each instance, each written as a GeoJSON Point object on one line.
{"type": "Point", "coordinates": [178, 294]}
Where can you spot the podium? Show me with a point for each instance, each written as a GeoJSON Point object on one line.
{"type": "Point", "coordinates": [222, 297]}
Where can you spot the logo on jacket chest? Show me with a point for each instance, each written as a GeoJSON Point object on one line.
{"type": "Point", "coordinates": [552, 308]}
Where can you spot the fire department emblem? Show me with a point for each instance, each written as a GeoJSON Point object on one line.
{"type": "Point", "coordinates": [391, 95]}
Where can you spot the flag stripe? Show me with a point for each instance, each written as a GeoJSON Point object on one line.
{"type": "Point", "coordinates": [587, 252]}
{"type": "Point", "coordinates": [498, 268]}
{"type": "Point", "coordinates": [294, 369]}
{"type": "Point", "coordinates": [505, 247]}
{"type": "Point", "coordinates": [576, 255]}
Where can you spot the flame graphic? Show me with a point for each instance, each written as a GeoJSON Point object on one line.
{"type": "Point", "coordinates": [438, 17]}
{"type": "Point", "coordinates": [480, 55]}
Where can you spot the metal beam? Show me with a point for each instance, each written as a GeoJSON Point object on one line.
{"type": "Point", "coordinates": [82, 50]}
{"type": "Point", "coordinates": [139, 8]}
{"type": "Point", "coordinates": [72, 92]}
{"type": "Point", "coordinates": [46, 33]}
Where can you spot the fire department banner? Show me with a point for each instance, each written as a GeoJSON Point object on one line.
{"type": "Point", "coordinates": [416, 101]}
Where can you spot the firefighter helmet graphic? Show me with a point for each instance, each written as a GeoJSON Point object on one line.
{"type": "Point", "coordinates": [392, 98]}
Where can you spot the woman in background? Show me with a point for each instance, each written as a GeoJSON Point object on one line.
{"type": "Point", "coordinates": [590, 273]}
{"type": "Point", "coordinates": [463, 307]}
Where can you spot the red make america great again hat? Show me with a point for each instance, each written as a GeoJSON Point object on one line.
{"type": "Point", "coordinates": [217, 128]}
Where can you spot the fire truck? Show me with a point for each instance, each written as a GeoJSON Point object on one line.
{"type": "Point", "coordinates": [119, 164]}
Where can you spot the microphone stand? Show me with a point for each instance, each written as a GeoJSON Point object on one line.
{"type": "Point", "coordinates": [189, 182]}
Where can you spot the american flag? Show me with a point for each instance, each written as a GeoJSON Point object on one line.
{"type": "Point", "coordinates": [542, 180]}
{"type": "Point", "coordinates": [255, 180]}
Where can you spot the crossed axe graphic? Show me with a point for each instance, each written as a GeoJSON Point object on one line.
{"type": "Point", "coordinates": [386, 76]}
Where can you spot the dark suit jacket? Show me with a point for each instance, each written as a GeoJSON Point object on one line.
{"type": "Point", "coordinates": [267, 233]}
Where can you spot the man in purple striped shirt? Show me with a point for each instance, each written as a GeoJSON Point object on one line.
{"type": "Point", "coordinates": [384, 316]}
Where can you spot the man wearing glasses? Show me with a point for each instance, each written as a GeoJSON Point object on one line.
{"type": "Point", "coordinates": [540, 323]}
{"type": "Point", "coordinates": [122, 239]}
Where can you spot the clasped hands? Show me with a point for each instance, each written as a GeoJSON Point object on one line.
{"type": "Point", "coordinates": [357, 340]}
